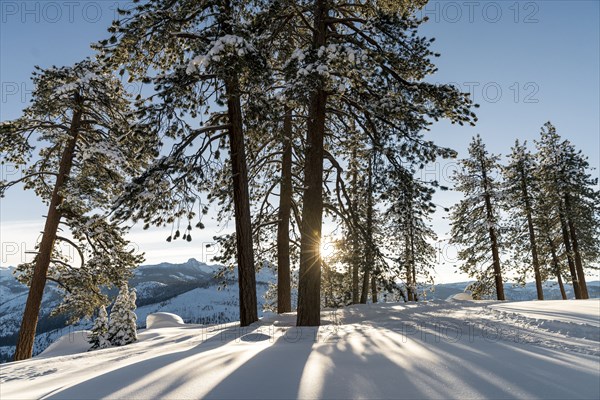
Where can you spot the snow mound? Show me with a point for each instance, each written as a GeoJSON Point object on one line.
{"type": "Point", "coordinates": [71, 343]}
{"type": "Point", "coordinates": [163, 320]}
{"type": "Point", "coordinates": [461, 296]}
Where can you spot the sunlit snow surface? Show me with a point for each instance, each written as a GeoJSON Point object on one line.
{"type": "Point", "coordinates": [438, 349]}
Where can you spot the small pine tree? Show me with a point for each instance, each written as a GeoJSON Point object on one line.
{"type": "Point", "coordinates": [122, 326]}
{"type": "Point", "coordinates": [99, 336]}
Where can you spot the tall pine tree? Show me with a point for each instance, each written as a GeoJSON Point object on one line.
{"type": "Point", "coordinates": [90, 145]}
{"type": "Point", "coordinates": [569, 189]}
{"type": "Point", "coordinates": [521, 189]}
{"type": "Point", "coordinates": [476, 220]}
{"type": "Point", "coordinates": [205, 55]}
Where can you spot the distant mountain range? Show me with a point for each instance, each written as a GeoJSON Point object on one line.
{"type": "Point", "coordinates": [189, 290]}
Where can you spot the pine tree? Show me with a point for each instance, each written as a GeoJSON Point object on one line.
{"type": "Point", "coordinates": [568, 189]}
{"type": "Point", "coordinates": [521, 187]}
{"type": "Point", "coordinates": [409, 216]}
{"type": "Point", "coordinates": [369, 272]}
{"type": "Point", "coordinates": [476, 220]}
{"type": "Point", "coordinates": [122, 326]}
{"type": "Point", "coordinates": [91, 144]}
{"type": "Point", "coordinates": [204, 53]}
{"type": "Point", "coordinates": [99, 338]}
{"type": "Point", "coordinates": [363, 61]}
{"type": "Point", "coordinates": [549, 243]}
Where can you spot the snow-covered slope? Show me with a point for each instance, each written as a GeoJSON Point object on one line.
{"type": "Point", "coordinates": [436, 349]}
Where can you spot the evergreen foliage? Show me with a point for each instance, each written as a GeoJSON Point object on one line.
{"type": "Point", "coordinates": [476, 225]}
{"type": "Point", "coordinates": [99, 337]}
{"type": "Point", "coordinates": [122, 325]}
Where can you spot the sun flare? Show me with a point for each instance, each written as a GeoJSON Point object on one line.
{"type": "Point", "coordinates": [327, 248]}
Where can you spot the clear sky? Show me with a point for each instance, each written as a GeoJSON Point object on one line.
{"type": "Point", "coordinates": [525, 63]}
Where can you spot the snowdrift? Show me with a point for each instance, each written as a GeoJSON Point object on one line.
{"type": "Point", "coordinates": [163, 320]}
{"type": "Point", "coordinates": [71, 343]}
{"type": "Point", "coordinates": [461, 297]}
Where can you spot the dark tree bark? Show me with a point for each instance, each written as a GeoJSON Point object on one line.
{"type": "Point", "coordinates": [241, 200]}
{"type": "Point", "coordinates": [409, 280]}
{"type": "Point", "coordinates": [409, 290]}
{"type": "Point", "coordinates": [570, 262]}
{"type": "Point", "coordinates": [309, 285]}
{"type": "Point", "coordinates": [496, 260]}
{"type": "Point", "coordinates": [413, 266]}
{"type": "Point", "coordinates": [353, 242]}
{"type": "Point", "coordinates": [561, 285]}
{"type": "Point", "coordinates": [493, 239]}
{"type": "Point", "coordinates": [355, 279]}
{"type": "Point", "coordinates": [364, 293]}
{"type": "Point", "coordinates": [414, 281]}
{"type": "Point", "coordinates": [373, 288]}
{"type": "Point", "coordinates": [576, 252]}
{"type": "Point", "coordinates": [284, 293]}
{"type": "Point", "coordinates": [369, 278]}
{"type": "Point", "coordinates": [557, 272]}
{"type": "Point", "coordinates": [532, 239]}
{"type": "Point", "coordinates": [24, 349]}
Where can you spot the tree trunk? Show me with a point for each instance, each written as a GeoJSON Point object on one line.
{"type": "Point", "coordinates": [309, 285]}
{"type": "Point", "coordinates": [368, 260]}
{"type": "Point", "coordinates": [567, 243]}
{"type": "Point", "coordinates": [561, 285]}
{"type": "Point", "coordinates": [556, 265]}
{"type": "Point", "coordinates": [352, 234]}
{"type": "Point", "coordinates": [414, 282]}
{"type": "Point", "coordinates": [532, 240]}
{"type": "Point", "coordinates": [373, 288]}
{"type": "Point", "coordinates": [575, 242]}
{"type": "Point", "coordinates": [355, 279]}
{"type": "Point", "coordinates": [364, 294]}
{"type": "Point", "coordinates": [284, 293]}
{"type": "Point", "coordinates": [409, 290]}
{"type": "Point", "coordinates": [497, 271]}
{"type": "Point", "coordinates": [241, 200]}
{"type": "Point", "coordinates": [493, 238]}
{"type": "Point", "coordinates": [24, 349]}
{"type": "Point", "coordinates": [413, 260]}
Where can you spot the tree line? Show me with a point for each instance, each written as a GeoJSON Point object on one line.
{"type": "Point", "coordinates": [540, 210]}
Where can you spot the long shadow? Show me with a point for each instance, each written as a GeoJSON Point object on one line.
{"type": "Point", "coordinates": [366, 360]}
{"type": "Point", "coordinates": [166, 371]}
{"type": "Point", "coordinates": [274, 373]}
{"type": "Point", "coordinates": [453, 368]}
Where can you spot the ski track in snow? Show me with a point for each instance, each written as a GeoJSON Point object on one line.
{"type": "Point", "coordinates": [436, 349]}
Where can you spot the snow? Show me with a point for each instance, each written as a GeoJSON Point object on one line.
{"type": "Point", "coordinates": [163, 320]}
{"type": "Point", "coordinates": [461, 296]}
{"type": "Point", "coordinates": [582, 312]}
{"type": "Point", "coordinates": [435, 349]}
{"type": "Point", "coordinates": [237, 45]}
{"type": "Point", "coordinates": [72, 343]}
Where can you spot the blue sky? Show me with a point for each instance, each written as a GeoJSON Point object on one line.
{"type": "Point", "coordinates": [525, 62]}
